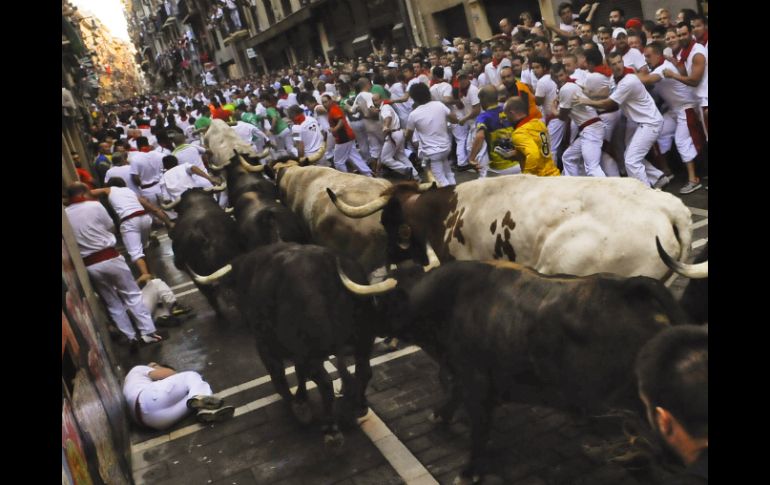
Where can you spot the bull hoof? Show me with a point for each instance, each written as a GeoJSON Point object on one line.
{"type": "Point", "coordinates": [334, 441]}
{"type": "Point", "coordinates": [302, 412]}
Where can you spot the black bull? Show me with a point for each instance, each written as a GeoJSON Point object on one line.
{"type": "Point", "coordinates": [292, 297]}
{"type": "Point", "coordinates": [499, 330]}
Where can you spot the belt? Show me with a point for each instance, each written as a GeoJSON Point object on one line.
{"type": "Point", "coordinates": [99, 256]}
{"type": "Point", "coordinates": [588, 123]}
{"type": "Point", "coordinates": [147, 186]}
{"type": "Point", "coordinates": [138, 411]}
{"type": "Point", "coordinates": [135, 214]}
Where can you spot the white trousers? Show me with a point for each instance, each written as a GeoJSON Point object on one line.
{"type": "Point", "coordinates": [675, 129]}
{"type": "Point", "coordinates": [556, 129]}
{"type": "Point", "coordinates": [115, 284]}
{"type": "Point", "coordinates": [394, 157]}
{"type": "Point", "coordinates": [441, 167]}
{"type": "Point", "coordinates": [284, 141]}
{"type": "Point", "coordinates": [374, 137]}
{"type": "Point", "coordinates": [460, 133]}
{"type": "Point", "coordinates": [587, 148]}
{"type": "Point", "coordinates": [636, 149]}
{"type": "Point", "coordinates": [362, 140]}
{"type": "Point", "coordinates": [152, 193]}
{"type": "Point", "coordinates": [347, 151]}
{"type": "Point", "coordinates": [164, 402]}
{"type": "Point", "coordinates": [136, 234]}
{"type": "Point", "coordinates": [158, 298]}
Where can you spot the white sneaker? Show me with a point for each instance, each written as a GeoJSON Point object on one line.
{"type": "Point", "coordinates": [690, 187]}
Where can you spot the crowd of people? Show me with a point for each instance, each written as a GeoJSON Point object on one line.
{"type": "Point", "coordinates": [537, 98]}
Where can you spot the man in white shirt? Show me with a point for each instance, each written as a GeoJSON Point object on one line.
{"type": "Point", "coordinates": [398, 92]}
{"type": "Point", "coordinates": [631, 57]}
{"type": "Point", "coordinates": [146, 169]}
{"type": "Point", "coordinates": [178, 178]}
{"type": "Point", "coordinates": [121, 169]}
{"type": "Point", "coordinates": [638, 106]}
{"type": "Point", "coordinates": [429, 121]}
{"type": "Point", "coordinates": [546, 97]}
{"type": "Point", "coordinates": [370, 116]}
{"type": "Point", "coordinates": [696, 69]}
{"type": "Point", "coordinates": [307, 135]}
{"type": "Point", "coordinates": [499, 61]}
{"type": "Point", "coordinates": [587, 147]}
{"type": "Point", "coordinates": [680, 122]}
{"type": "Point", "coordinates": [111, 277]}
{"type": "Point", "coordinates": [465, 109]}
{"type": "Point", "coordinates": [393, 155]}
{"type": "Point", "coordinates": [192, 154]}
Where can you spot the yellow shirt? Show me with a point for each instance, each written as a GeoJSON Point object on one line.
{"type": "Point", "coordinates": [530, 137]}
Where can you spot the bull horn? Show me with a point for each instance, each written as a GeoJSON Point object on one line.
{"type": "Point", "coordinates": [320, 153]}
{"type": "Point", "coordinates": [264, 153]}
{"type": "Point", "coordinates": [361, 211]}
{"type": "Point", "coordinates": [170, 205]}
{"type": "Point", "coordinates": [216, 188]}
{"type": "Point", "coordinates": [213, 277]}
{"type": "Point", "coordinates": [426, 186]}
{"type": "Point", "coordinates": [249, 167]}
{"type": "Point", "coordinates": [366, 290]}
{"type": "Point", "coordinates": [213, 166]}
{"type": "Point", "coordinates": [433, 261]}
{"type": "Point", "coordinates": [229, 210]}
{"type": "Point", "coordinates": [694, 271]}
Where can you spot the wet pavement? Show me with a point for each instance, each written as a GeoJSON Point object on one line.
{"type": "Point", "coordinates": [263, 444]}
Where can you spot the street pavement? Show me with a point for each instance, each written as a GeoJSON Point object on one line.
{"type": "Point", "coordinates": [263, 444]}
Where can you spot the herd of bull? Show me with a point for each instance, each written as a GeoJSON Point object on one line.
{"type": "Point", "coordinates": [505, 282]}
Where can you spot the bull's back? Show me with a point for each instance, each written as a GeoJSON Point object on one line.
{"type": "Point", "coordinates": [570, 225]}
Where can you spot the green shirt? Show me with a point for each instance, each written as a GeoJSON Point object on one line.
{"type": "Point", "coordinates": [251, 118]}
{"type": "Point", "coordinates": [280, 124]}
{"type": "Point", "coordinates": [377, 89]}
{"type": "Point", "coordinates": [202, 122]}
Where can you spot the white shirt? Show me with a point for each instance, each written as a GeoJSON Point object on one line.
{"type": "Point", "coordinates": [528, 77]}
{"type": "Point", "coordinates": [397, 92]}
{"type": "Point", "coordinates": [546, 89]}
{"type": "Point", "coordinates": [493, 73]}
{"type": "Point", "coordinates": [702, 90]}
{"type": "Point", "coordinates": [598, 85]}
{"type": "Point", "coordinates": [440, 90]}
{"type": "Point", "coordinates": [429, 121]}
{"type": "Point", "coordinates": [191, 154]}
{"type": "Point", "coordinates": [92, 226]}
{"type": "Point", "coordinates": [176, 181]}
{"type": "Point", "coordinates": [634, 58]}
{"type": "Point", "coordinates": [482, 80]}
{"type": "Point", "coordinates": [568, 94]}
{"type": "Point", "coordinates": [387, 111]}
{"type": "Point", "coordinates": [635, 102]}
{"type": "Point", "coordinates": [123, 172]}
{"type": "Point", "coordinates": [363, 103]}
{"type": "Point", "coordinates": [148, 166]}
{"type": "Point", "coordinates": [676, 95]}
{"type": "Point", "coordinates": [136, 380]}
{"type": "Point", "coordinates": [470, 100]}
{"type": "Point", "coordinates": [309, 133]}
{"type": "Point", "coordinates": [245, 131]}
{"type": "Point", "coordinates": [124, 201]}
{"type": "Point", "coordinates": [447, 73]}
{"type": "Point", "coordinates": [579, 76]}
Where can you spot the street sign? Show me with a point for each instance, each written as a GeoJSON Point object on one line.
{"type": "Point", "coordinates": [250, 52]}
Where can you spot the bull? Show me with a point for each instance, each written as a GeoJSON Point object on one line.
{"type": "Point", "coordinates": [695, 297]}
{"type": "Point", "coordinates": [500, 330]}
{"type": "Point", "coordinates": [204, 238]}
{"type": "Point", "coordinates": [299, 310]}
{"type": "Point", "coordinates": [569, 225]}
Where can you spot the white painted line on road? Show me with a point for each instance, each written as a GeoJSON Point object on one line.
{"type": "Point", "coordinates": [188, 292]}
{"type": "Point", "coordinates": [699, 243]}
{"type": "Point", "coordinates": [259, 403]}
{"type": "Point", "coordinates": [701, 223]}
{"type": "Point", "coordinates": [699, 212]}
{"type": "Point", "coordinates": [182, 285]}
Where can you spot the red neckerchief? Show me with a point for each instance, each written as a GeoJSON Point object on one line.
{"type": "Point", "coordinates": [387, 101]}
{"type": "Point", "coordinates": [604, 70]}
{"type": "Point", "coordinates": [143, 127]}
{"type": "Point", "coordinates": [685, 52]}
{"type": "Point", "coordinates": [78, 199]}
{"type": "Point", "coordinates": [570, 80]}
{"type": "Point", "coordinates": [524, 120]}
{"type": "Point", "coordinates": [705, 39]}
{"type": "Point", "coordinates": [495, 62]}
{"type": "Point", "coordinates": [299, 119]}
{"type": "Point", "coordinates": [145, 149]}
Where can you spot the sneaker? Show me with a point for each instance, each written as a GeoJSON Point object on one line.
{"type": "Point", "coordinates": [663, 181]}
{"type": "Point", "coordinates": [215, 415]}
{"type": "Point", "coordinates": [205, 402]}
{"type": "Point", "coordinates": [179, 309]}
{"type": "Point", "coordinates": [690, 187]}
{"type": "Point", "coordinates": [464, 168]}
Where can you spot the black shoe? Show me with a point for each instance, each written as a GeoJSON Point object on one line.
{"type": "Point", "coordinates": [179, 309]}
{"type": "Point", "coordinates": [205, 402]}
{"type": "Point", "coordinates": [215, 415]}
{"type": "Point", "coordinates": [464, 168]}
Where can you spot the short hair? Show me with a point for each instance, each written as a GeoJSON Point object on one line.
{"type": "Point", "coordinates": [516, 104]}
{"type": "Point", "coordinates": [118, 159]}
{"type": "Point", "coordinates": [700, 17]}
{"type": "Point", "coordinates": [540, 39]}
{"type": "Point", "coordinates": [576, 38]}
{"type": "Point", "coordinates": [438, 72]}
{"type": "Point", "coordinates": [542, 61]}
{"type": "Point", "coordinates": [142, 142]}
{"type": "Point", "coordinates": [293, 111]}
{"type": "Point", "coordinates": [487, 95]}
{"type": "Point", "coordinates": [684, 24]}
{"type": "Point", "coordinates": [570, 55]}
{"type": "Point", "coordinates": [656, 46]}
{"type": "Point", "coordinates": [116, 182]}
{"type": "Point", "coordinates": [614, 54]}
{"type": "Point", "coordinates": [560, 42]}
{"type": "Point", "coordinates": [556, 67]}
{"type": "Point", "coordinates": [564, 5]}
{"type": "Point", "coordinates": [76, 188]}
{"type": "Point", "coordinates": [594, 57]}
{"type": "Point", "coordinates": [420, 93]}
{"type": "Point", "coordinates": [620, 10]}
{"type": "Point", "coordinates": [672, 372]}
{"type": "Point", "coordinates": [169, 162]}
{"type": "Point", "coordinates": [659, 30]}
{"type": "Point", "coordinates": [517, 57]}
{"type": "Point", "coordinates": [604, 30]}
{"type": "Point", "coordinates": [689, 14]}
